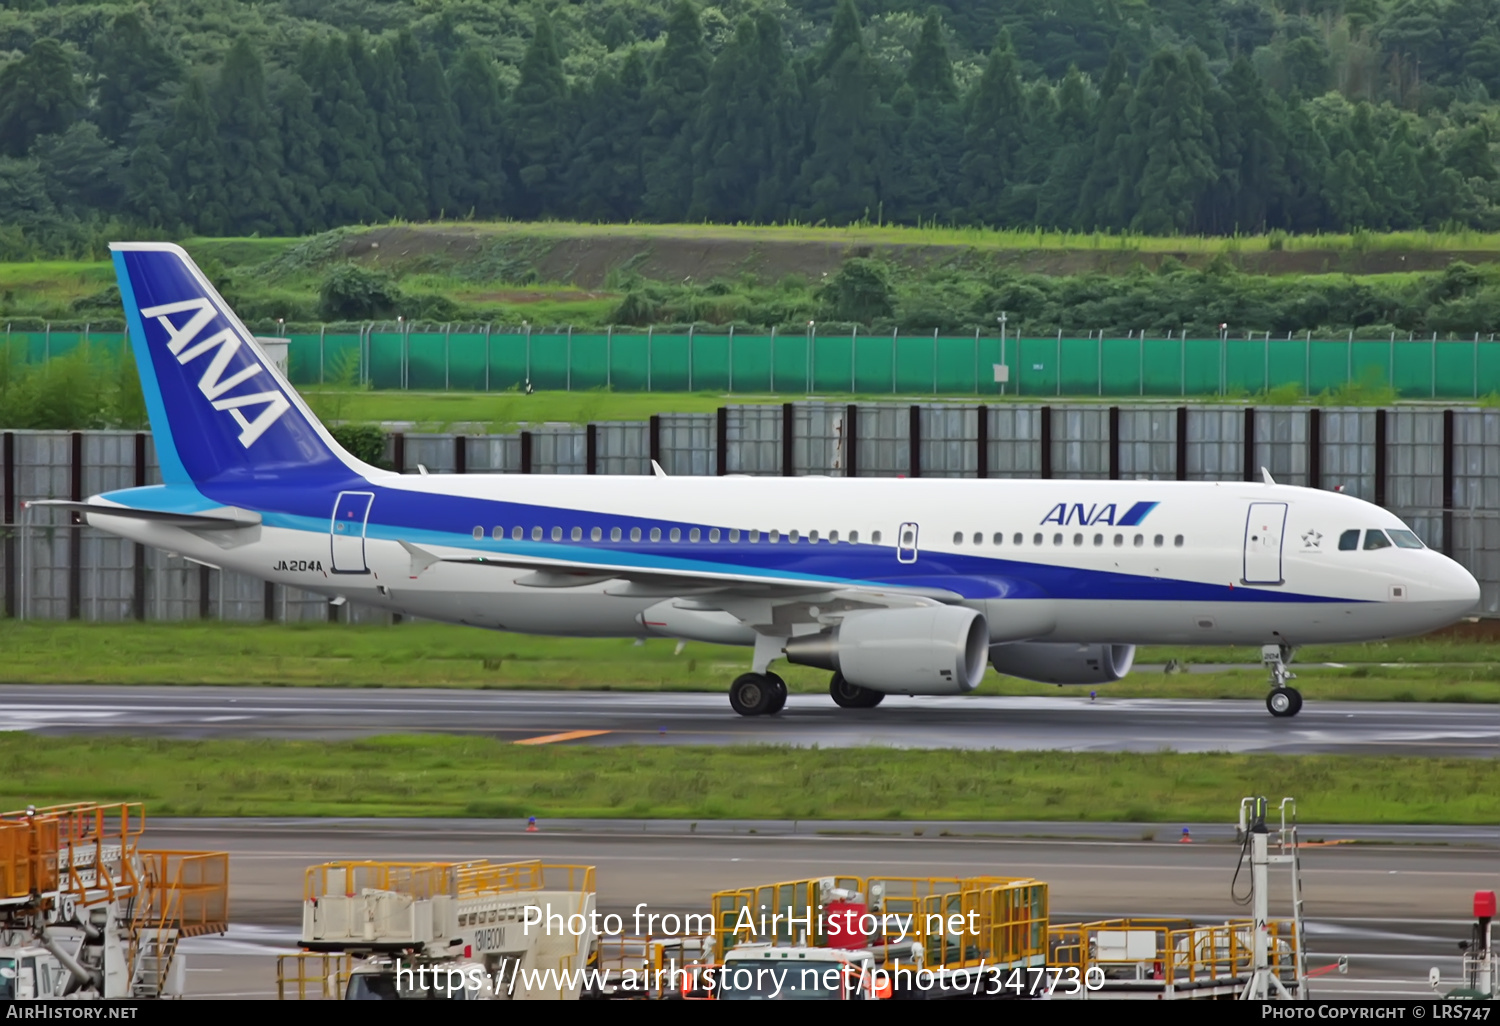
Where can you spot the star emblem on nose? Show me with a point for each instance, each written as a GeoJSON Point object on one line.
{"type": "Point", "coordinates": [1311, 539]}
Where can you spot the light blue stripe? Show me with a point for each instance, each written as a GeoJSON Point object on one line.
{"type": "Point", "coordinates": [172, 470]}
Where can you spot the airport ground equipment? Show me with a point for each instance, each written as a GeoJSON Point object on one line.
{"type": "Point", "coordinates": [461, 930]}
{"type": "Point", "coordinates": [884, 937]}
{"type": "Point", "coordinates": [1259, 958]}
{"type": "Point", "coordinates": [1481, 968]}
{"type": "Point", "coordinates": [87, 913]}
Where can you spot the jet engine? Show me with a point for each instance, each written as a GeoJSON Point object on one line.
{"type": "Point", "coordinates": [1060, 663]}
{"type": "Point", "coordinates": [931, 650]}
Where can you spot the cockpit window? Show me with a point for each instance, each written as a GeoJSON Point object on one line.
{"type": "Point", "coordinates": [1406, 540]}
{"type": "Point", "coordinates": [1348, 541]}
{"type": "Point", "coordinates": [1376, 540]}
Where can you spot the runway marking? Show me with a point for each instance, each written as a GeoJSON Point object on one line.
{"type": "Point", "coordinates": [571, 735]}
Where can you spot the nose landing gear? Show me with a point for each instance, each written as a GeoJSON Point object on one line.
{"type": "Point", "coordinates": [1282, 701]}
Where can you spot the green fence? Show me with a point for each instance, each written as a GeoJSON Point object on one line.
{"type": "Point", "coordinates": [862, 364]}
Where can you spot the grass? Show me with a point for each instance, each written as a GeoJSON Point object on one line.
{"type": "Point", "coordinates": [432, 776]}
{"type": "Point", "coordinates": [417, 655]}
{"type": "Point", "coordinates": [987, 238]}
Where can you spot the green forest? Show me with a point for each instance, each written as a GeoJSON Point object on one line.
{"type": "Point", "coordinates": [1164, 117]}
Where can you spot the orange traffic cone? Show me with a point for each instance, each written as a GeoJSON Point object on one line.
{"type": "Point", "coordinates": [1186, 838]}
{"type": "Point", "coordinates": [531, 825]}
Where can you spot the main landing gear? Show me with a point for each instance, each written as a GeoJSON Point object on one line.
{"type": "Point", "coordinates": [757, 694]}
{"type": "Point", "coordinates": [1282, 701]}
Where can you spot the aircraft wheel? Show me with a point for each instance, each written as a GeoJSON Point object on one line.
{"type": "Point", "coordinates": [778, 695]}
{"type": "Point", "coordinates": [752, 694]}
{"type": "Point", "coordinates": [1284, 702]}
{"type": "Point", "coordinates": [852, 696]}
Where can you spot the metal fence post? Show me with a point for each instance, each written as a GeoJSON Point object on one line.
{"type": "Point", "coordinates": [447, 347]}
{"type": "Point", "coordinates": [648, 358]}
{"type": "Point", "coordinates": [486, 356]}
{"type": "Point", "coordinates": [773, 359]}
{"type": "Point", "coordinates": [731, 359]}
{"type": "Point", "coordinates": [527, 325]}
{"type": "Point", "coordinates": [934, 361]}
{"type": "Point", "coordinates": [854, 343]}
{"type": "Point", "coordinates": [690, 357]}
{"type": "Point", "coordinates": [569, 379]}
{"type": "Point", "coordinates": [609, 357]}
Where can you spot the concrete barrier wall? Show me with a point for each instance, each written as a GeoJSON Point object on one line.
{"type": "Point", "coordinates": [1438, 469]}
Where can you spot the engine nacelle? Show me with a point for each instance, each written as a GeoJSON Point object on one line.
{"type": "Point", "coordinates": [931, 650]}
{"type": "Point", "coordinates": [1049, 662]}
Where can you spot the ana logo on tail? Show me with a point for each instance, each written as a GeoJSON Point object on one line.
{"type": "Point", "coordinates": [224, 344]}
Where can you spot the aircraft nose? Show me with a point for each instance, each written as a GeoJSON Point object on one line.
{"type": "Point", "coordinates": [1453, 588]}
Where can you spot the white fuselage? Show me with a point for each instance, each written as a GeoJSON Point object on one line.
{"type": "Point", "coordinates": [1042, 560]}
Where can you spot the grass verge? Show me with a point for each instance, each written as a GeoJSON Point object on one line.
{"type": "Point", "coordinates": [430, 776]}
{"type": "Point", "coordinates": [1459, 669]}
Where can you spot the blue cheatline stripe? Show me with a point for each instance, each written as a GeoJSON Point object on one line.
{"type": "Point", "coordinates": [860, 565]}
{"type": "Point", "coordinates": [1135, 514]}
{"type": "Point", "coordinates": [172, 470]}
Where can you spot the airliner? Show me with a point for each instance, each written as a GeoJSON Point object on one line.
{"type": "Point", "coordinates": [894, 586]}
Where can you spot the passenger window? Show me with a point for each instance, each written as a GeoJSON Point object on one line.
{"type": "Point", "coordinates": [614, 534]}
{"type": "Point", "coordinates": [1157, 541]}
{"type": "Point", "coordinates": [1405, 540]}
{"type": "Point", "coordinates": [854, 538]}
{"type": "Point", "coordinates": [1119, 540]}
{"type": "Point", "coordinates": [1057, 539]}
{"type": "Point", "coordinates": [958, 537]}
{"type": "Point", "coordinates": [497, 533]}
{"type": "Point", "coordinates": [1019, 538]}
{"type": "Point", "coordinates": [595, 534]}
{"type": "Point", "coordinates": [478, 533]}
{"type": "Point", "coordinates": [907, 537]}
{"type": "Point", "coordinates": [557, 534]}
{"type": "Point", "coordinates": [536, 534]}
{"type": "Point", "coordinates": [1098, 539]}
{"type": "Point", "coordinates": [833, 537]}
{"type": "Point", "coordinates": [1376, 540]}
{"type": "Point", "coordinates": [694, 535]}
{"type": "Point", "coordinates": [979, 538]}
{"type": "Point", "coordinates": [792, 538]}
{"type": "Point", "coordinates": [999, 538]}
{"type": "Point", "coordinates": [775, 537]}
{"type": "Point", "coordinates": [1140, 540]}
{"type": "Point", "coordinates": [1177, 541]}
{"type": "Point", "coordinates": [812, 537]}
{"type": "Point", "coordinates": [875, 538]}
{"type": "Point", "coordinates": [576, 534]}
{"type": "Point", "coordinates": [734, 535]}
{"type": "Point", "coordinates": [676, 535]}
{"type": "Point", "coordinates": [754, 537]}
{"type": "Point", "coordinates": [713, 534]}
{"type": "Point", "coordinates": [1078, 539]}
{"type": "Point", "coordinates": [635, 534]}
{"type": "Point", "coordinates": [1348, 541]}
{"type": "Point", "coordinates": [1036, 539]}
{"type": "Point", "coordinates": [656, 534]}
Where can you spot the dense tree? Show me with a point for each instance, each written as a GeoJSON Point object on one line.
{"type": "Point", "coordinates": [38, 96]}
{"type": "Point", "coordinates": [539, 117]}
{"type": "Point", "coordinates": [251, 146]}
{"type": "Point", "coordinates": [1210, 116]}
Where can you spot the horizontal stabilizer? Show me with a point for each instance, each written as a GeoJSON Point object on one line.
{"type": "Point", "coordinates": [225, 519]}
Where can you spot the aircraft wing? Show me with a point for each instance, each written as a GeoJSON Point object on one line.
{"type": "Point", "coordinates": [225, 519]}
{"type": "Point", "coordinates": [640, 582]}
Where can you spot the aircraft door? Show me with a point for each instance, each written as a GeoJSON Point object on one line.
{"type": "Point", "coordinates": [906, 544]}
{"type": "Point", "coordinates": [346, 531]}
{"type": "Point", "coordinates": [1264, 526]}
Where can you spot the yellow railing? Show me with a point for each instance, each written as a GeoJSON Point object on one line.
{"type": "Point", "coordinates": [957, 922]}
{"type": "Point", "coordinates": [70, 848]}
{"type": "Point", "coordinates": [1221, 953]}
{"type": "Point", "coordinates": [426, 879]}
{"type": "Point", "coordinates": [181, 894]}
{"type": "Point", "coordinates": [327, 964]}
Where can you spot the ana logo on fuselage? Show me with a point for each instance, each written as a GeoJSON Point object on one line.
{"type": "Point", "coordinates": [1087, 516]}
{"type": "Point", "coordinates": [183, 344]}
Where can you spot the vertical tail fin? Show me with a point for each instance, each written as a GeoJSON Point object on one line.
{"type": "Point", "coordinates": [220, 410]}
